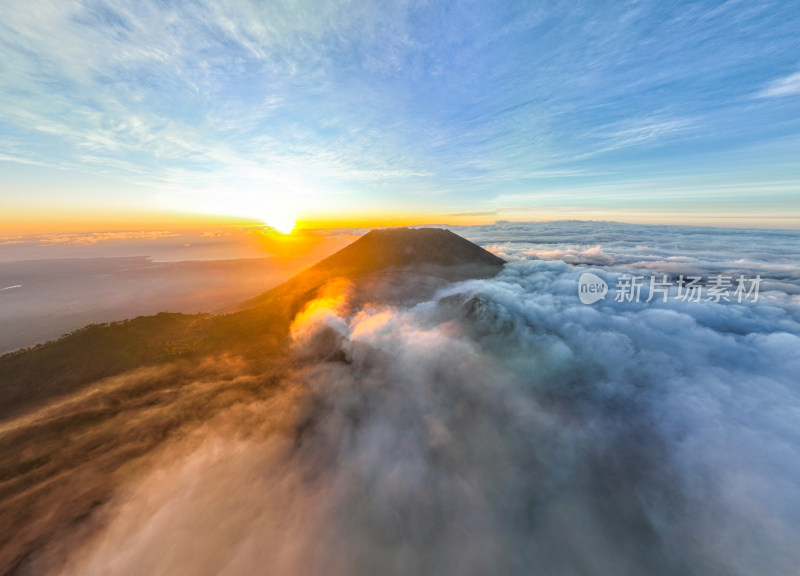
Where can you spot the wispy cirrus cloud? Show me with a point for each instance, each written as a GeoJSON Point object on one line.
{"type": "Point", "coordinates": [784, 86]}
{"type": "Point", "coordinates": [381, 103]}
{"type": "Point", "coordinates": [653, 130]}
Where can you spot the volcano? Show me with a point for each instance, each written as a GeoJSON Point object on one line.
{"type": "Point", "coordinates": [78, 413]}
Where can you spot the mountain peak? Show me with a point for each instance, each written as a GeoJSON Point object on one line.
{"type": "Point", "coordinates": [431, 256]}
{"type": "Point", "coordinates": [432, 252]}
{"type": "Point", "coordinates": [407, 247]}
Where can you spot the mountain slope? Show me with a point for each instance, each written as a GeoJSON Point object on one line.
{"type": "Point", "coordinates": [402, 247]}
{"type": "Point", "coordinates": [429, 251]}
{"type": "Point", "coordinates": [256, 331]}
{"type": "Point", "coordinates": [80, 414]}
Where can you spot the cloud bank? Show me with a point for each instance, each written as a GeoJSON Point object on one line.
{"type": "Point", "coordinates": [498, 427]}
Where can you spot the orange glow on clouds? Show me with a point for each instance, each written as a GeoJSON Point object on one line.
{"type": "Point", "coordinates": [326, 308]}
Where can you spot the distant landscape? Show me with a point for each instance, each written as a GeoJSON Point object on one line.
{"type": "Point", "coordinates": [49, 288]}
{"type": "Point", "coordinates": [44, 299]}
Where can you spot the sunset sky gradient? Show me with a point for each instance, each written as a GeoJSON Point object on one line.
{"type": "Point", "coordinates": [330, 112]}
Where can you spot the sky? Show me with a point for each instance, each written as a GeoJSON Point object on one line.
{"type": "Point", "coordinates": [331, 112]}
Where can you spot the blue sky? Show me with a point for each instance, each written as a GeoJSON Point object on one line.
{"type": "Point", "coordinates": [644, 111]}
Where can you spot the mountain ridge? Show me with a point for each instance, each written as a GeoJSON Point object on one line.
{"type": "Point", "coordinates": [433, 251]}
{"type": "Point", "coordinates": [96, 351]}
{"type": "Point", "coordinates": [78, 415]}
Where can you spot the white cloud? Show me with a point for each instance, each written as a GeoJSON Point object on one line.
{"type": "Point", "coordinates": [637, 131]}
{"type": "Point", "coordinates": [500, 427]}
{"type": "Point", "coordinates": [785, 86]}
{"type": "Point", "coordinates": [648, 249]}
{"type": "Point", "coordinates": [152, 95]}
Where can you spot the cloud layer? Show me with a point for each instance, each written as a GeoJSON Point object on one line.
{"type": "Point", "coordinates": [499, 427]}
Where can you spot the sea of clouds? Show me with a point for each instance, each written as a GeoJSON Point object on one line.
{"type": "Point", "coordinates": [503, 427]}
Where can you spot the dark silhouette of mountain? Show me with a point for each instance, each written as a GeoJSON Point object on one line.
{"type": "Point", "coordinates": [76, 412]}
{"type": "Point", "coordinates": [403, 247]}
{"type": "Point", "coordinates": [431, 251]}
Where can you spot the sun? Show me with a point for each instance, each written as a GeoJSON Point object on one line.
{"type": "Point", "coordinates": [282, 222]}
{"type": "Point", "coordinates": [275, 210]}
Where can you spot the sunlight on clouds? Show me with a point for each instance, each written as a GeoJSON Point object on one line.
{"type": "Point", "coordinates": [503, 413]}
